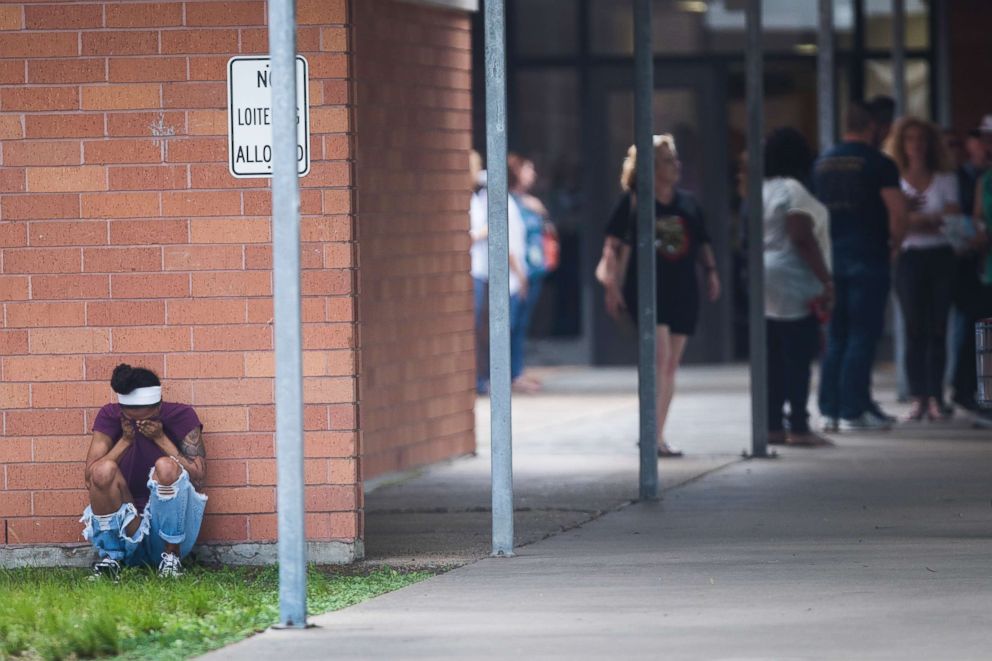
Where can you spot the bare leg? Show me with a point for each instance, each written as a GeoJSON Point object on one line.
{"type": "Point", "coordinates": [108, 491]}
{"type": "Point", "coordinates": [670, 349]}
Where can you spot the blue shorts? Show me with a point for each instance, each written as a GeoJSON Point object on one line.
{"type": "Point", "coordinates": [169, 518]}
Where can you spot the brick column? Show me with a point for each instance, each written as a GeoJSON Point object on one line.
{"type": "Point", "coordinates": [124, 238]}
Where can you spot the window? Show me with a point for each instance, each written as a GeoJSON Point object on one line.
{"type": "Point", "coordinates": [542, 28]}
{"type": "Point", "coordinates": [878, 24]}
{"type": "Point", "coordinates": [700, 26]}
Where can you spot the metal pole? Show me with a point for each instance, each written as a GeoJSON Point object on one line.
{"type": "Point", "coordinates": [499, 280]}
{"type": "Point", "coordinates": [646, 301]}
{"type": "Point", "coordinates": [289, 363]}
{"type": "Point", "coordinates": [942, 37]}
{"type": "Point", "coordinates": [755, 238]}
{"type": "Point", "coordinates": [899, 56]}
{"type": "Point", "coordinates": [826, 74]}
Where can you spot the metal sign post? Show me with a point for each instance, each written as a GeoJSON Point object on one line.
{"type": "Point", "coordinates": [755, 234]}
{"type": "Point", "coordinates": [289, 361]}
{"type": "Point", "coordinates": [499, 280]}
{"type": "Point", "coordinates": [825, 73]}
{"type": "Point", "coordinates": [899, 56]}
{"type": "Point", "coordinates": [647, 330]}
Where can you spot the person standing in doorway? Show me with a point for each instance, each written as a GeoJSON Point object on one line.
{"type": "Point", "coordinates": [522, 175]}
{"type": "Point", "coordinates": [860, 187]}
{"type": "Point", "coordinates": [479, 252]}
{"type": "Point", "coordinates": [925, 268]}
{"type": "Point", "coordinates": [683, 247]}
{"type": "Point", "coordinates": [798, 285]}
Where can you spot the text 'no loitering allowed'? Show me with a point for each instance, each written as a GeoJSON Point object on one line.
{"type": "Point", "coordinates": [249, 117]}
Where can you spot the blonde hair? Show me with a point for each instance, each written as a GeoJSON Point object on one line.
{"type": "Point", "coordinates": [938, 160]}
{"type": "Point", "coordinates": [628, 173]}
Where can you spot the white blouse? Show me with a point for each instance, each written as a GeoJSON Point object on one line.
{"type": "Point", "coordinates": [790, 285]}
{"type": "Point", "coordinates": [943, 190]}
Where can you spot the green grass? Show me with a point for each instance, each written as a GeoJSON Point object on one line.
{"type": "Point", "coordinates": [59, 614]}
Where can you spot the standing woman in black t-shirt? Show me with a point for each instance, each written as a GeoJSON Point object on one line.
{"type": "Point", "coordinates": [683, 246]}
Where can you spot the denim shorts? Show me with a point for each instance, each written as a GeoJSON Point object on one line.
{"type": "Point", "coordinates": [168, 519]}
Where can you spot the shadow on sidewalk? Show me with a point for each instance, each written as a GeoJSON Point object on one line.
{"type": "Point", "coordinates": [575, 458]}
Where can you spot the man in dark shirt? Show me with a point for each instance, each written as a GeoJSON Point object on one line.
{"type": "Point", "coordinates": [975, 165]}
{"type": "Point", "coordinates": [860, 187]}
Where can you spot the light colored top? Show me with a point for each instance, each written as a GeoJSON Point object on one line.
{"type": "Point", "coordinates": [790, 284]}
{"type": "Point", "coordinates": [943, 190]}
{"type": "Point", "coordinates": [479, 252]}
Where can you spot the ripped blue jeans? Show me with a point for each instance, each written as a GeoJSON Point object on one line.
{"type": "Point", "coordinates": [173, 516]}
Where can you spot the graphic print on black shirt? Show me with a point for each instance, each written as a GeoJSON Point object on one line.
{"type": "Point", "coordinates": [680, 232]}
{"type": "Point", "coordinates": [672, 240]}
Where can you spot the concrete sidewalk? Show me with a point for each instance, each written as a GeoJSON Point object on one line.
{"type": "Point", "coordinates": [879, 548]}
{"type": "Point", "coordinates": [574, 458]}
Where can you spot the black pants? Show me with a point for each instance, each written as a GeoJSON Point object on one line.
{"type": "Point", "coordinates": [792, 346]}
{"type": "Point", "coordinates": [924, 283]}
{"type": "Point", "coordinates": [974, 301]}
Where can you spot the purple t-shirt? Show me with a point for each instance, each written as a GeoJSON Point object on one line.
{"type": "Point", "coordinates": [178, 420]}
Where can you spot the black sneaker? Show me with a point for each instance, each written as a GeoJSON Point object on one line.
{"type": "Point", "coordinates": [106, 568]}
{"type": "Point", "coordinates": [877, 411]}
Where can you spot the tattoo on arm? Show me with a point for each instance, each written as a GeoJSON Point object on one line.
{"type": "Point", "coordinates": [192, 446]}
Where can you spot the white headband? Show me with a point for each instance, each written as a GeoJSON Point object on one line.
{"type": "Point", "coordinates": [141, 396]}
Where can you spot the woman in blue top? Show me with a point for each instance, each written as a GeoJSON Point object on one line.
{"type": "Point", "coordinates": [521, 178]}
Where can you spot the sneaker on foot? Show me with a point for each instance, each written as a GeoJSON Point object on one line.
{"type": "Point", "coordinates": [808, 439]}
{"type": "Point", "coordinates": [875, 410]}
{"type": "Point", "coordinates": [982, 420]}
{"type": "Point", "coordinates": [831, 425]}
{"type": "Point", "coordinates": [170, 567]}
{"type": "Point", "coordinates": [106, 568]}
{"type": "Point", "coordinates": [864, 422]}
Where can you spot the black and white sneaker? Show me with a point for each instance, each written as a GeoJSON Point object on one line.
{"type": "Point", "coordinates": [170, 567]}
{"type": "Point", "coordinates": [876, 411]}
{"type": "Point", "coordinates": [864, 422]}
{"type": "Point", "coordinates": [106, 568]}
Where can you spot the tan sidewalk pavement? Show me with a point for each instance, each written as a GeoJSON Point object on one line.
{"type": "Point", "coordinates": [879, 548]}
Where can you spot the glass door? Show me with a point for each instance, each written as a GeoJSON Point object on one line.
{"type": "Point", "coordinates": [688, 104]}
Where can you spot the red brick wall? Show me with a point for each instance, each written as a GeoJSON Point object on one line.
{"type": "Point", "coordinates": [413, 135]}
{"type": "Point", "coordinates": [971, 51]}
{"type": "Point", "coordinates": [124, 238]}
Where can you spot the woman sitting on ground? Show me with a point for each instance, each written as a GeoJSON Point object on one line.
{"type": "Point", "coordinates": [144, 468]}
{"type": "Point", "coordinates": [799, 290]}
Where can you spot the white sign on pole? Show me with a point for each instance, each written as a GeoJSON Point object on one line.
{"type": "Point", "coordinates": [249, 117]}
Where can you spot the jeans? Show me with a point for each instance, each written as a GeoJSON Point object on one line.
{"type": "Point", "coordinates": [167, 519]}
{"type": "Point", "coordinates": [481, 294]}
{"type": "Point", "coordinates": [792, 345]}
{"type": "Point", "coordinates": [854, 331]}
{"type": "Point", "coordinates": [520, 325]}
{"type": "Point", "coordinates": [925, 283]}
{"type": "Point", "coordinates": [973, 301]}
